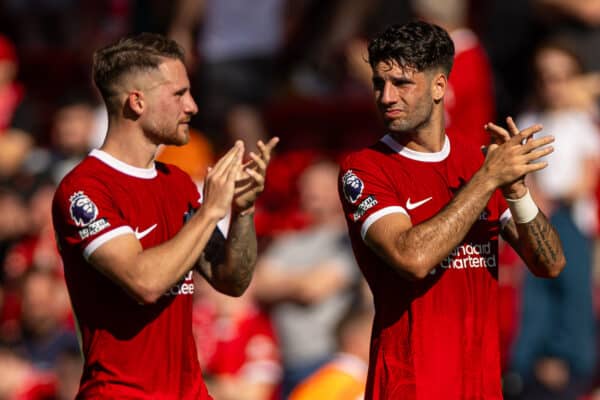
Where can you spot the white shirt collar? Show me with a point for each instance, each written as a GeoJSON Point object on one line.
{"type": "Point", "coordinates": [417, 155]}
{"type": "Point", "coordinates": [144, 173]}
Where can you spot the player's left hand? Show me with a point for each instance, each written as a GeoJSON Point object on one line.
{"type": "Point", "coordinates": [251, 181]}
{"type": "Point", "coordinates": [498, 136]}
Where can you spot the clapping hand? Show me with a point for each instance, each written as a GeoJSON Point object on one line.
{"type": "Point", "coordinates": [251, 179]}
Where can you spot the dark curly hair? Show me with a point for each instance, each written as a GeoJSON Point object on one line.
{"type": "Point", "coordinates": [416, 44]}
{"type": "Point", "coordinates": [144, 51]}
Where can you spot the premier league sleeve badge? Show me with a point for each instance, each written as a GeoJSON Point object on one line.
{"type": "Point", "coordinates": [82, 209]}
{"type": "Point", "coordinates": [352, 186]}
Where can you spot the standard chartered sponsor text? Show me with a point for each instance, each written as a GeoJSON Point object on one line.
{"type": "Point", "coordinates": [471, 255]}
{"type": "Point", "coordinates": [183, 287]}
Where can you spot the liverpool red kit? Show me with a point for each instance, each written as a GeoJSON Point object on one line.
{"type": "Point", "coordinates": [437, 338]}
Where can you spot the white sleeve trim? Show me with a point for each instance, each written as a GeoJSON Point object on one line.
{"type": "Point", "coordinates": [378, 214]}
{"type": "Point", "coordinates": [100, 240]}
{"type": "Point", "coordinates": [505, 217]}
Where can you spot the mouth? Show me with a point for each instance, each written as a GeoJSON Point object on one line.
{"type": "Point", "coordinates": [392, 113]}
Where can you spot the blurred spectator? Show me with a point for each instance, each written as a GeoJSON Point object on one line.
{"type": "Point", "coordinates": [236, 43]}
{"type": "Point", "coordinates": [345, 376]}
{"type": "Point", "coordinates": [68, 368]}
{"type": "Point", "coordinates": [469, 100]}
{"type": "Point", "coordinates": [72, 125]}
{"type": "Point", "coordinates": [579, 20]}
{"type": "Point", "coordinates": [44, 309]}
{"type": "Point", "coordinates": [13, 221]}
{"type": "Point", "coordinates": [237, 347]}
{"type": "Point", "coordinates": [308, 277]}
{"type": "Point", "coordinates": [554, 353]}
{"type": "Point", "coordinates": [19, 380]}
{"type": "Point", "coordinates": [37, 247]}
{"type": "Point", "coordinates": [15, 141]}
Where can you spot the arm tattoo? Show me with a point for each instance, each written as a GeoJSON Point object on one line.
{"type": "Point", "coordinates": [542, 233]}
{"type": "Point", "coordinates": [241, 251]}
{"type": "Point", "coordinates": [228, 264]}
{"type": "Point", "coordinates": [537, 243]}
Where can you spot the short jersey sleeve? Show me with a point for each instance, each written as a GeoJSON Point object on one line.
{"type": "Point", "coordinates": [366, 193]}
{"type": "Point", "coordinates": [86, 216]}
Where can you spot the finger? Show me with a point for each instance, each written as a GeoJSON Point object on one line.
{"type": "Point", "coordinates": [235, 168]}
{"type": "Point", "coordinates": [537, 154]}
{"type": "Point", "coordinates": [248, 164]}
{"type": "Point", "coordinates": [266, 149]}
{"type": "Point", "coordinates": [535, 167]}
{"type": "Point", "coordinates": [259, 178]}
{"type": "Point", "coordinates": [536, 143]}
{"type": "Point", "coordinates": [526, 133]}
{"type": "Point", "coordinates": [512, 127]}
{"type": "Point", "coordinates": [260, 163]}
{"type": "Point", "coordinates": [497, 131]}
{"type": "Point", "coordinates": [224, 164]}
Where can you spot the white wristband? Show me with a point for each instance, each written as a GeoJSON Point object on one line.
{"type": "Point", "coordinates": [523, 210]}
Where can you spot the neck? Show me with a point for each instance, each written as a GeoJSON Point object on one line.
{"type": "Point", "coordinates": [126, 142]}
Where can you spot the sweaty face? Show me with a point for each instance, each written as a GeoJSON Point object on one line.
{"type": "Point", "coordinates": [170, 105]}
{"type": "Point", "coordinates": [403, 96]}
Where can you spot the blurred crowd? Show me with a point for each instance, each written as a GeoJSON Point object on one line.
{"type": "Point", "coordinates": [297, 69]}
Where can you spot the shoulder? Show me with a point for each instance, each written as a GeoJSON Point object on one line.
{"type": "Point", "coordinates": [366, 158]}
{"type": "Point", "coordinates": [86, 174]}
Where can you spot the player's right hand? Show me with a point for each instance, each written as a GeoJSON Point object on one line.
{"type": "Point", "coordinates": [219, 184]}
{"type": "Point", "coordinates": [519, 154]}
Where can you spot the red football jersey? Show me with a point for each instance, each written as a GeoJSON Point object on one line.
{"type": "Point", "coordinates": [436, 338]}
{"type": "Point", "coordinates": [131, 350]}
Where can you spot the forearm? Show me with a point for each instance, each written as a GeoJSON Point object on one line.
{"type": "Point", "coordinates": [423, 246]}
{"type": "Point", "coordinates": [162, 266]}
{"type": "Point", "coordinates": [539, 246]}
{"type": "Point", "coordinates": [234, 274]}
{"type": "Point", "coordinates": [146, 274]}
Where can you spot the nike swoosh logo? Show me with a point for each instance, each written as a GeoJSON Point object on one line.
{"type": "Point", "coordinates": [412, 206]}
{"type": "Point", "coordinates": [139, 235]}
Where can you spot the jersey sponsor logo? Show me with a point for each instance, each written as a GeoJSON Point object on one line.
{"type": "Point", "coordinates": [94, 228]}
{"type": "Point", "coordinates": [139, 235]}
{"type": "Point", "coordinates": [412, 206]}
{"type": "Point", "coordinates": [82, 209]}
{"type": "Point", "coordinates": [469, 255]}
{"type": "Point", "coordinates": [364, 206]}
{"type": "Point", "coordinates": [184, 287]}
{"type": "Point", "coordinates": [352, 186]}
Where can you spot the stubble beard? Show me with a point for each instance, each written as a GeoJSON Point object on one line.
{"type": "Point", "coordinates": [418, 118]}
{"type": "Point", "coordinates": [177, 136]}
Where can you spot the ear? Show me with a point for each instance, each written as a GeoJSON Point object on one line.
{"type": "Point", "coordinates": [439, 84]}
{"type": "Point", "coordinates": [136, 102]}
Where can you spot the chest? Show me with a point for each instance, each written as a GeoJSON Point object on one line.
{"type": "Point", "coordinates": [155, 209]}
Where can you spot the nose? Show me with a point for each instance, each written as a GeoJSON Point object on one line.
{"type": "Point", "coordinates": [388, 94]}
{"type": "Point", "coordinates": [190, 105]}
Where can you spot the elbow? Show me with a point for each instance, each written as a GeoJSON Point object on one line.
{"type": "Point", "coordinates": [147, 297]}
{"type": "Point", "coordinates": [145, 293]}
{"type": "Point", "coordinates": [236, 289]}
{"type": "Point", "coordinates": [415, 268]}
